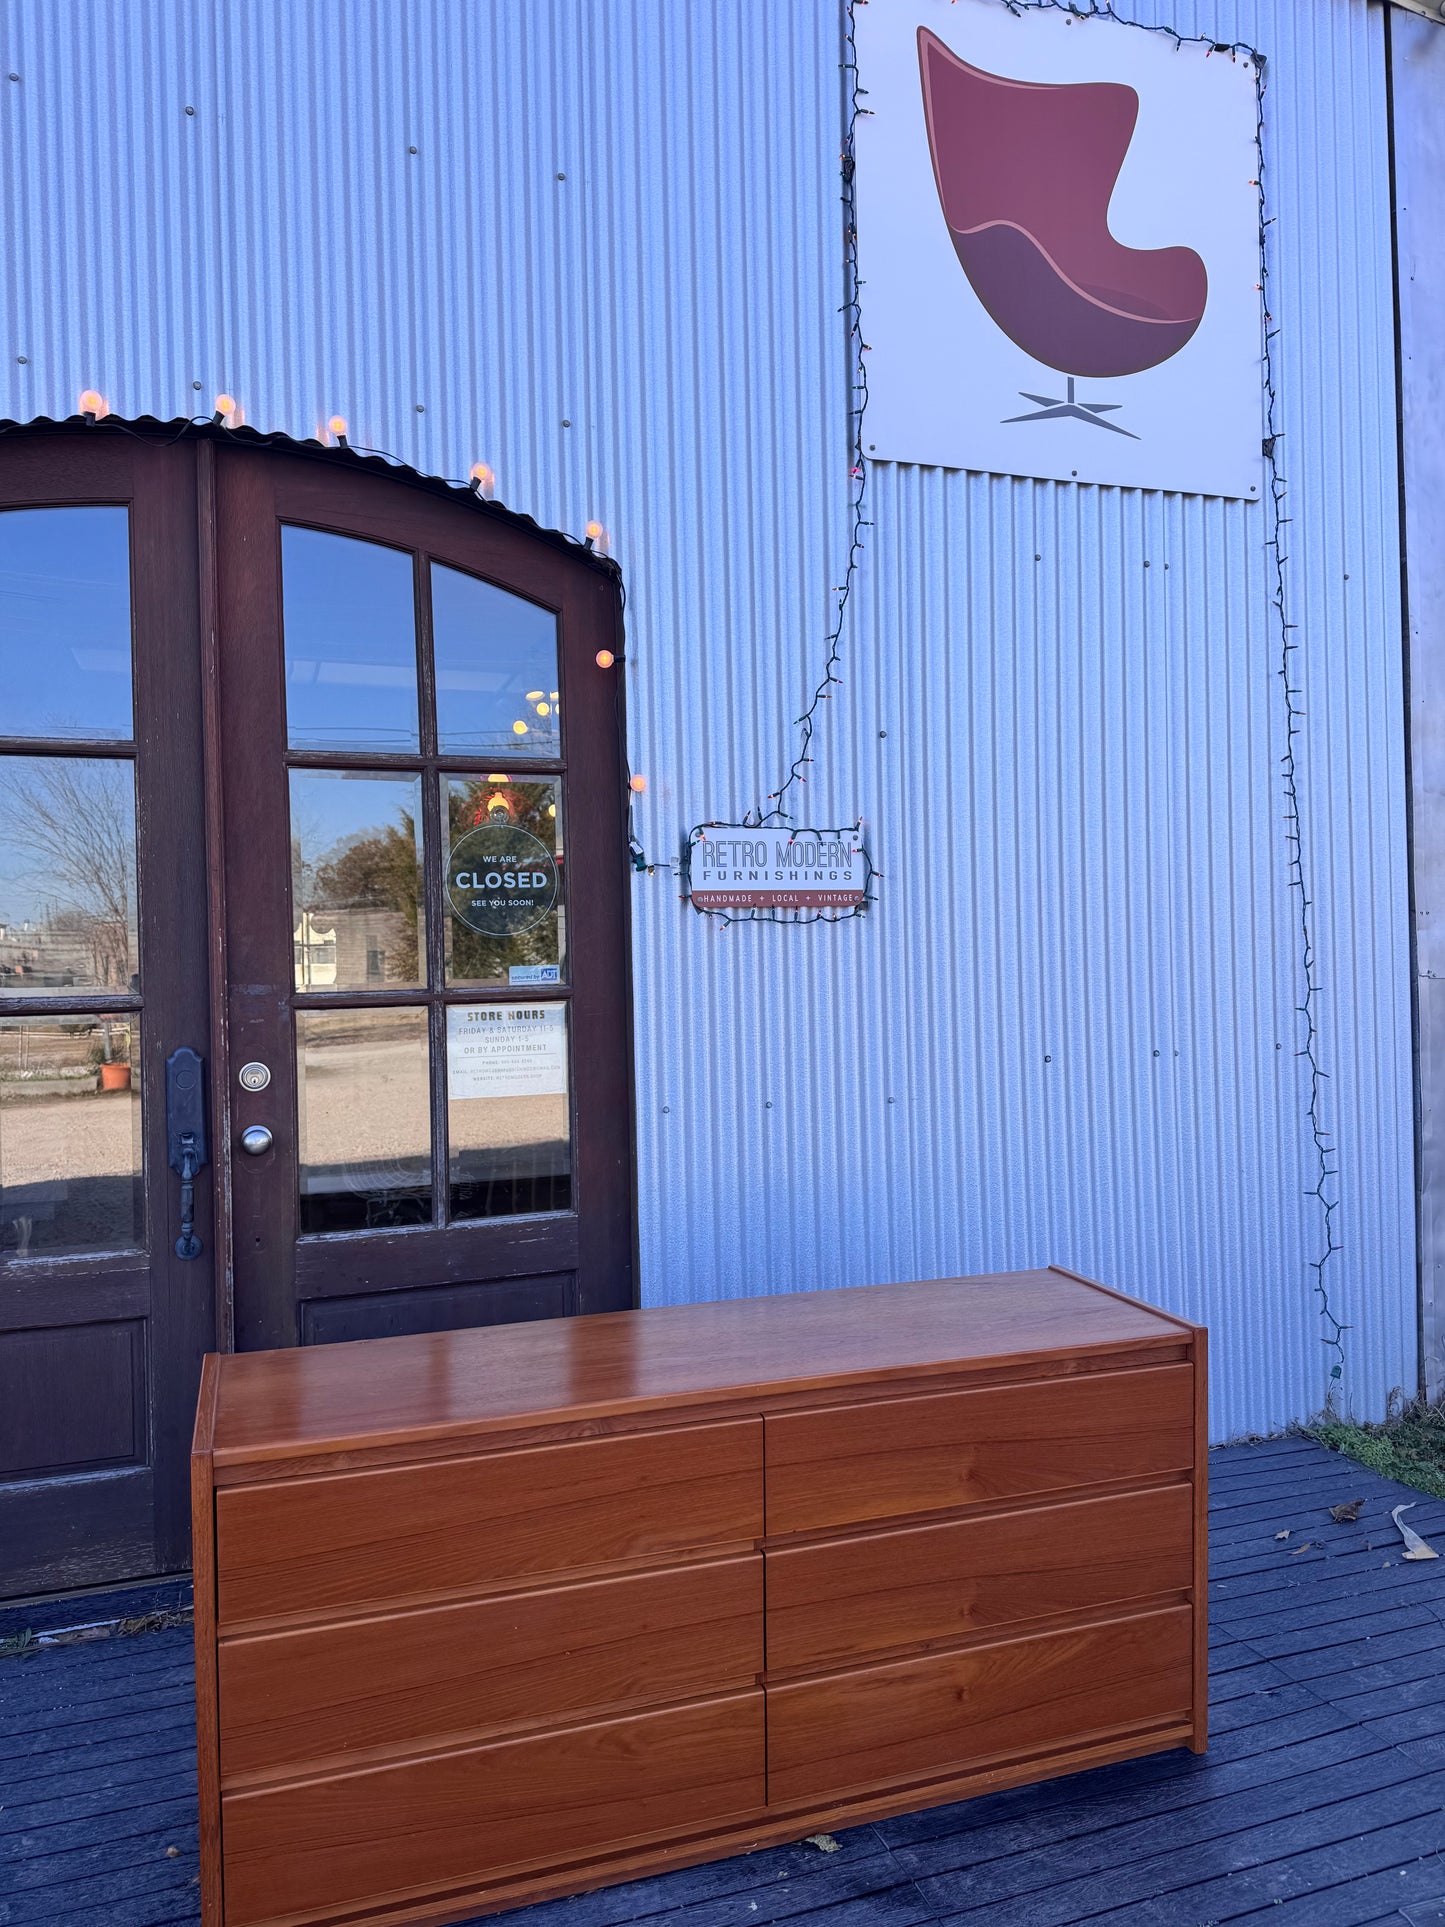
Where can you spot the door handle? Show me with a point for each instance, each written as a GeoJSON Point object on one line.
{"type": "Point", "coordinates": [255, 1140]}
{"type": "Point", "coordinates": [186, 1136]}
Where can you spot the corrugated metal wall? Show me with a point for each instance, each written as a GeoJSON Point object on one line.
{"type": "Point", "coordinates": [1068, 1032]}
{"type": "Point", "coordinates": [1418, 66]}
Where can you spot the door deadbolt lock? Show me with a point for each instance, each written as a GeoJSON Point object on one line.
{"type": "Point", "coordinates": [256, 1140]}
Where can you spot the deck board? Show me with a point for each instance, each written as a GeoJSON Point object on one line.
{"type": "Point", "coordinates": [1321, 1802]}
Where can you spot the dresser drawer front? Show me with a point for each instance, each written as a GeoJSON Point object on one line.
{"type": "Point", "coordinates": [845, 1598]}
{"type": "Point", "coordinates": [917, 1718]}
{"type": "Point", "coordinates": [847, 1464]}
{"type": "Point", "coordinates": [411, 1680]}
{"type": "Point", "coordinates": [459, 1525]}
{"type": "Point", "coordinates": [444, 1822]}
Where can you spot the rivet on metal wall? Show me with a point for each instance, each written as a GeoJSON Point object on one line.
{"type": "Point", "coordinates": [22, 359]}
{"type": "Point", "coordinates": [190, 110]}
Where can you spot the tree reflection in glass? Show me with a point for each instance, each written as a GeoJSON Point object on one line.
{"type": "Point", "coordinates": [356, 895]}
{"type": "Point", "coordinates": [67, 874]}
{"type": "Point", "coordinates": [534, 811]}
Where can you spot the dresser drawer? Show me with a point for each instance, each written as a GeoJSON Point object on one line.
{"type": "Point", "coordinates": [459, 1525]}
{"type": "Point", "coordinates": [407, 1680]}
{"type": "Point", "coordinates": [886, 1459]}
{"type": "Point", "coordinates": [436, 1824]}
{"type": "Point", "coordinates": [917, 1718]}
{"type": "Point", "coordinates": [844, 1598]}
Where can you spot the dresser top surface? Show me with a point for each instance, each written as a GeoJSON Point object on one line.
{"type": "Point", "coordinates": [326, 1398]}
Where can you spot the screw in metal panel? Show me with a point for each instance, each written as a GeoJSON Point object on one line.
{"type": "Point", "coordinates": [411, 150]}
{"type": "Point", "coordinates": [566, 424]}
{"type": "Point", "coordinates": [22, 359]}
{"type": "Point", "coordinates": [190, 110]}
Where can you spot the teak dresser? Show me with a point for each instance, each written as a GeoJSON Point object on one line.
{"type": "Point", "coordinates": [488, 1615]}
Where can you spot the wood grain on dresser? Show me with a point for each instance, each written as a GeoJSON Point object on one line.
{"type": "Point", "coordinates": [490, 1615]}
{"type": "Point", "coordinates": [430, 1677]}
{"type": "Point", "coordinates": [831, 1601]}
{"type": "Point", "coordinates": [891, 1457]}
{"type": "Point", "coordinates": [915, 1718]}
{"type": "Point", "coordinates": [365, 1538]}
{"type": "Point", "coordinates": [442, 1819]}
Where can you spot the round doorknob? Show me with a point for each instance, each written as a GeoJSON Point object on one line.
{"type": "Point", "coordinates": [255, 1140]}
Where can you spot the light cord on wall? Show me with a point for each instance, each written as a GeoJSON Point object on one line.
{"type": "Point", "coordinates": [1324, 1190]}
{"type": "Point", "coordinates": [807, 723]}
{"type": "Point", "coordinates": [774, 811]}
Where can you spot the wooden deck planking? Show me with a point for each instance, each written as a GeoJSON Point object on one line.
{"type": "Point", "coordinates": [1321, 1802]}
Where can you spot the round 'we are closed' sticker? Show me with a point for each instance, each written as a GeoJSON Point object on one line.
{"type": "Point", "coordinates": [500, 880]}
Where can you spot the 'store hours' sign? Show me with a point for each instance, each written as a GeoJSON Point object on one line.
{"type": "Point", "coordinates": [734, 867]}
{"type": "Point", "coordinates": [506, 1050]}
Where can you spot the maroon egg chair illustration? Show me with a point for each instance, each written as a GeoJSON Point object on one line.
{"type": "Point", "coordinates": [1025, 171]}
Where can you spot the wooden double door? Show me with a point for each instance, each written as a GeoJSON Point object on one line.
{"type": "Point", "coordinates": [314, 1008]}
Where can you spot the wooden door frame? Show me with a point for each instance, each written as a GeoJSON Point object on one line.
{"type": "Point", "coordinates": [340, 491]}
{"type": "Point", "coordinates": [56, 467]}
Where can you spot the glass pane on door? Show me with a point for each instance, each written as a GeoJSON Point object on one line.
{"type": "Point", "coordinates": [363, 1102]}
{"type": "Point", "coordinates": [356, 886]}
{"type": "Point", "coordinates": [70, 1135]}
{"type": "Point", "coordinates": [505, 903]}
{"type": "Point", "coordinates": [349, 615]}
{"type": "Point", "coordinates": [65, 643]}
{"type": "Point", "coordinates": [508, 1109]}
{"type": "Point", "coordinates": [496, 669]}
{"type": "Point", "coordinates": [67, 875]}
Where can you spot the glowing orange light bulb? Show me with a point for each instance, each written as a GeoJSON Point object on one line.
{"type": "Point", "coordinates": [639, 783]}
{"type": "Point", "coordinates": [519, 729]}
{"type": "Point", "coordinates": [337, 425]}
{"type": "Point", "coordinates": [92, 403]}
{"type": "Point", "coordinates": [225, 404]}
{"type": "Point", "coordinates": [484, 479]}
{"type": "Point", "coordinates": [605, 658]}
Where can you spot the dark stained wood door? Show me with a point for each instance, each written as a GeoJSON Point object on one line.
{"type": "Point", "coordinates": [103, 973]}
{"type": "Point", "coordinates": [318, 773]}
{"type": "Point", "coordinates": [425, 870]}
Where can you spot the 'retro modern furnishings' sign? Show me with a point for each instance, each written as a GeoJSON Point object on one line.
{"type": "Point", "coordinates": [1059, 248]}
{"type": "Point", "coordinates": [506, 1050]}
{"type": "Point", "coordinates": [734, 867]}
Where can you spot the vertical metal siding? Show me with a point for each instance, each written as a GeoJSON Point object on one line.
{"type": "Point", "coordinates": [1068, 1031]}
{"type": "Point", "coordinates": [1418, 68]}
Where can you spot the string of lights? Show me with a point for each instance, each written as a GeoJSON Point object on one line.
{"type": "Point", "coordinates": [807, 723]}
{"type": "Point", "coordinates": [861, 889]}
{"type": "Point", "coordinates": [1324, 1191]}
{"type": "Point", "coordinates": [775, 813]}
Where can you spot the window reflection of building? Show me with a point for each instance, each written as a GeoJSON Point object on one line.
{"type": "Point", "coordinates": [353, 947]}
